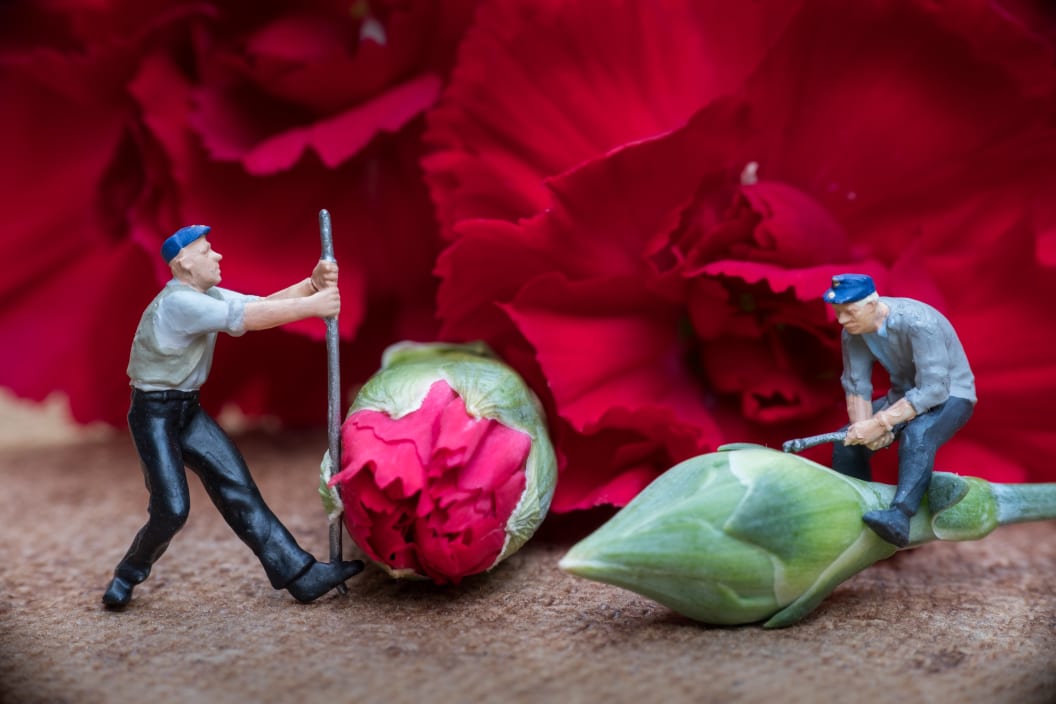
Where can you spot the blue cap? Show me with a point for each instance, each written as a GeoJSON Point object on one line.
{"type": "Point", "coordinates": [180, 239]}
{"type": "Point", "coordinates": [848, 288]}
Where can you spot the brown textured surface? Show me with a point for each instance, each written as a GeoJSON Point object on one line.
{"type": "Point", "coordinates": [967, 622]}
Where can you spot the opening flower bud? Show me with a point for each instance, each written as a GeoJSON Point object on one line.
{"type": "Point", "coordinates": [446, 466]}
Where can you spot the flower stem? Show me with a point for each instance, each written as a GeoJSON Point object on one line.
{"type": "Point", "coordinates": [1018, 503]}
{"type": "Point", "coordinates": [968, 508]}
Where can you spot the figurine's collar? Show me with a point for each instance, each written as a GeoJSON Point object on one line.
{"type": "Point", "coordinates": [177, 282]}
{"type": "Point", "coordinates": [883, 312]}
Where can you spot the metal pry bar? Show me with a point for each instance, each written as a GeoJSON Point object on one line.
{"type": "Point", "coordinates": [333, 390]}
{"type": "Point", "coordinates": [800, 444]}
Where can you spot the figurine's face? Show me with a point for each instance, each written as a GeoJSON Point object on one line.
{"type": "Point", "coordinates": [858, 318]}
{"type": "Point", "coordinates": [198, 264]}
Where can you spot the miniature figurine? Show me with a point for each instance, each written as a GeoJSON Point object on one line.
{"type": "Point", "coordinates": [932, 392]}
{"type": "Point", "coordinates": [170, 359]}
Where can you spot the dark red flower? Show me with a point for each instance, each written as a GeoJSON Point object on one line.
{"type": "Point", "coordinates": [124, 121]}
{"type": "Point", "coordinates": [653, 209]}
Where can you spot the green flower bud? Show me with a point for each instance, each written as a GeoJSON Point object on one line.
{"type": "Point", "coordinates": [749, 534]}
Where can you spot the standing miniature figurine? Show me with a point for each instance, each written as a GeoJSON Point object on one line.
{"type": "Point", "coordinates": [171, 355]}
{"type": "Point", "coordinates": [932, 392]}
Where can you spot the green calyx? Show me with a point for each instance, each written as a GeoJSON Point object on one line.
{"type": "Point", "coordinates": [961, 508]}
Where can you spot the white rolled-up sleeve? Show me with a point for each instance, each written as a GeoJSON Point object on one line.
{"type": "Point", "coordinates": [187, 314]}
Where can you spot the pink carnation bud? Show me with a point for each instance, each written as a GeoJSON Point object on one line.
{"type": "Point", "coordinates": [446, 468]}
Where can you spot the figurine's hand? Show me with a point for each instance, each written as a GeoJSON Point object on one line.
{"type": "Point", "coordinates": [324, 275]}
{"type": "Point", "coordinates": [883, 441]}
{"type": "Point", "coordinates": [327, 302]}
{"type": "Point", "coordinates": [865, 432]}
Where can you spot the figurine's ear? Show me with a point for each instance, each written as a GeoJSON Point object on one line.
{"type": "Point", "coordinates": [945, 491]}
{"type": "Point", "coordinates": [178, 265]}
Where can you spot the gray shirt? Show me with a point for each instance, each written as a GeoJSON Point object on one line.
{"type": "Point", "coordinates": [919, 348]}
{"type": "Point", "coordinates": [173, 345]}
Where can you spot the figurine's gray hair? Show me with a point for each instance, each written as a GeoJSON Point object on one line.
{"type": "Point", "coordinates": [874, 296]}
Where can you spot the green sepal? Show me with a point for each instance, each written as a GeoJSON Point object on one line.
{"type": "Point", "coordinates": [946, 490]}
{"type": "Point", "coordinates": [869, 548]}
{"type": "Point", "coordinates": [973, 517]}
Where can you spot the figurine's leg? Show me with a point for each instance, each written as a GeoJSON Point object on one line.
{"type": "Point", "coordinates": [154, 426]}
{"type": "Point", "coordinates": [213, 456]}
{"type": "Point", "coordinates": [920, 441]}
{"type": "Point", "coordinates": [852, 460]}
{"type": "Point", "coordinates": [917, 445]}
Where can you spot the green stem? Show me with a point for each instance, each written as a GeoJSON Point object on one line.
{"type": "Point", "coordinates": [968, 508]}
{"type": "Point", "coordinates": [1018, 503]}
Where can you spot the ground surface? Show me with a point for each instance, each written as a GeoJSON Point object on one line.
{"type": "Point", "coordinates": [965, 622]}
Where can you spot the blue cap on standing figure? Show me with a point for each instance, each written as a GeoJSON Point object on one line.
{"type": "Point", "coordinates": [848, 288]}
{"type": "Point", "coordinates": [180, 239]}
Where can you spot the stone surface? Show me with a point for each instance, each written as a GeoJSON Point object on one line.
{"type": "Point", "coordinates": [963, 622]}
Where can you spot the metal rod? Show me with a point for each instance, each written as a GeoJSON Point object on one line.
{"type": "Point", "coordinates": [333, 390]}
{"type": "Point", "coordinates": [800, 444]}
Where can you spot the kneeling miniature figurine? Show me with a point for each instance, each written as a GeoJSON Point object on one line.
{"type": "Point", "coordinates": [171, 355]}
{"type": "Point", "coordinates": [932, 392]}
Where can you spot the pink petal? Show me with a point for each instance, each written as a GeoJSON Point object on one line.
{"type": "Point", "coordinates": [396, 464]}
{"type": "Point", "coordinates": [501, 454]}
{"type": "Point", "coordinates": [446, 560]}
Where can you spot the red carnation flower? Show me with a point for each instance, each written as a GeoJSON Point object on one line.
{"type": "Point", "coordinates": [654, 221]}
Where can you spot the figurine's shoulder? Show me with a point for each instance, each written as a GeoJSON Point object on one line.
{"type": "Point", "coordinates": [911, 314]}
{"type": "Point", "coordinates": [181, 291]}
{"type": "Point", "coordinates": [909, 311]}
{"type": "Point", "coordinates": [180, 301]}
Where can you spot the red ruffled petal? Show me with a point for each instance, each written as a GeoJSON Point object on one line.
{"type": "Point", "coordinates": [535, 94]}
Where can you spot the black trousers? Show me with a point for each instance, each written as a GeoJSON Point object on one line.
{"type": "Point", "coordinates": [171, 431]}
{"type": "Point", "coordinates": [918, 442]}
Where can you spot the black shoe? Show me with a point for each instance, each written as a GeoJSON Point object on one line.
{"type": "Point", "coordinates": [118, 594]}
{"type": "Point", "coordinates": [891, 524]}
{"type": "Point", "coordinates": [321, 577]}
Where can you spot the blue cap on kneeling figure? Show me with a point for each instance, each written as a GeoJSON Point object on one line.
{"type": "Point", "coordinates": [180, 239]}
{"type": "Point", "coordinates": [848, 288]}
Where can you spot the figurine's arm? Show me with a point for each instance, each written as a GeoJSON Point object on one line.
{"type": "Point", "coordinates": [323, 276]}
{"type": "Point", "coordinates": [269, 313]}
{"type": "Point", "coordinates": [931, 358]}
{"type": "Point", "coordinates": [864, 429]}
{"type": "Point", "coordinates": [858, 408]}
{"type": "Point", "coordinates": [901, 411]}
{"type": "Point", "coordinates": [857, 377]}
